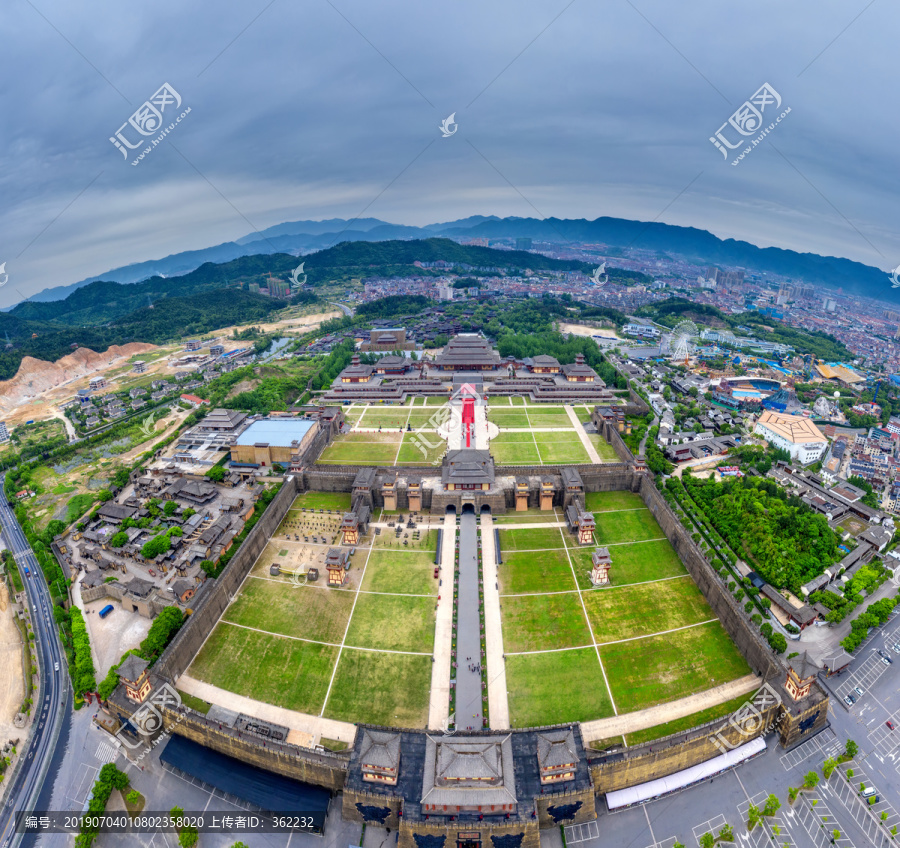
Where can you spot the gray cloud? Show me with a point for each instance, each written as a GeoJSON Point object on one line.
{"type": "Point", "coordinates": [301, 114]}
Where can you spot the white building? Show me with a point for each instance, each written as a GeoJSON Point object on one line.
{"type": "Point", "coordinates": [797, 435]}
{"type": "Point", "coordinates": [644, 331]}
{"type": "Point", "coordinates": [4, 433]}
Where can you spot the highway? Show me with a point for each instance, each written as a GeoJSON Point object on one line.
{"type": "Point", "coordinates": [55, 705]}
{"type": "Point", "coordinates": [343, 307]}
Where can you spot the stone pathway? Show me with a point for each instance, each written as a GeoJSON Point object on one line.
{"type": "Point", "coordinates": [468, 630]}
{"type": "Point", "coordinates": [606, 728]}
{"type": "Point", "coordinates": [439, 706]}
{"type": "Point", "coordinates": [591, 450]}
{"type": "Point", "coordinates": [305, 729]}
{"type": "Point", "coordinates": [498, 703]}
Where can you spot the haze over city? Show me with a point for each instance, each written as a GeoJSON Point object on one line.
{"type": "Point", "coordinates": [334, 110]}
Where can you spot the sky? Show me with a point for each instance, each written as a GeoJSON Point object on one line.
{"type": "Point", "coordinates": [333, 108]}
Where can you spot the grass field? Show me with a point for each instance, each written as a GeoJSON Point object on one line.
{"type": "Point", "coordinates": [425, 450]}
{"type": "Point", "coordinates": [504, 417]}
{"type": "Point", "coordinates": [556, 687]}
{"type": "Point", "coordinates": [320, 615]}
{"type": "Point", "coordinates": [387, 689]}
{"type": "Point", "coordinates": [560, 447]}
{"type": "Point", "coordinates": [322, 500]}
{"type": "Point", "coordinates": [400, 573]}
{"type": "Point", "coordinates": [515, 449]}
{"type": "Point", "coordinates": [659, 669]}
{"type": "Point", "coordinates": [535, 571]}
{"type": "Point", "coordinates": [362, 449]}
{"type": "Point", "coordinates": [544, 622]}
{"type": "Point", "coordinates": [650, 593]}
{"type": "Point", "coordinates": [284, 672]}
{"type": "Point", "coordinates": [393, 623]}
{"type": "Point", "coordinates": [603, 448]}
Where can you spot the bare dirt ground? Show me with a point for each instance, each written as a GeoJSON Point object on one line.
{"type": "Point", "coordinates": [12, 691]}
{"type": "Point", "coordinates": [606, 728]}
{"type": "Point", "coordinates": [582, 330]}
{"type": "Point", "coordinates": [300, 322]}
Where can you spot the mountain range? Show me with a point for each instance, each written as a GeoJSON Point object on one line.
{"type": "Point", "coordinates": [303, 237]}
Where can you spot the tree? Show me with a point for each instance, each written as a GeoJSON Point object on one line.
{"type": "Point", "coordinates": [208, 566]}
{"type": "Point", "coordinates": [753, 816]}
{"type": "Point", "coordinates": [170, 508]}
{"type": "Point", "coordinates": [773, 805]}
{"type": "Point", "coordinates": [851, 749]}
{"type": "Point", "coordinates": [119, 539]}
{"type": "Point", "coordinates": [778, 643]}
{"type": "Point", "coordinates": [164, 627]}
{"type": "Point", "coordinates": [811, 781]}
{"type": "Point", "coordinates": [707, 840]}
{"type": "Point", "coordinates": [134, 797]}
{"type": "Point", "coordinates": [216, 474]}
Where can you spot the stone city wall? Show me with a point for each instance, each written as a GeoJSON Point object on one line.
{"type": "Point", "coordinates": [481, 830]}
{"type": "Point", "coordinates": [319, 768]}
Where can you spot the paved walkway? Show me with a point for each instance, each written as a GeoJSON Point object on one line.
{"type": "Point", "coordinates": [591, 450]}
{"type": "Point", "coordinates": [305, 729]}
{"type": "Point", "coordinates": [498, 702]}
{"type": "Point", "coordinates": [468, 629]}
{"type": "Point", "coordinates": [607, 728]}
{"type": "Point", "coordinates": [439, 707]}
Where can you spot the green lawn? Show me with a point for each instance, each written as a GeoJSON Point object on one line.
{"type": "Point", "coordinates": [542, 622]}
{"type": "Point", "coordinates": [535, 571]}
{"type": "Point", "coordinates": [530, 539]}
{"type": "Point", "coordinates": [426, 449]}
{"type": "Point", "coordinates": [514, 449]}
{"type": "Point", "coordinates": [648, 608]}
{"type": "Point", "coordinates": [400, 573]}
{"type": "Point", "coordinates": [659, 669]}
{"type": "Point", "coordinates": [387, 540]}
{"type": "Point", "coordinates": [430, 419]}
{"type": "Point", "coordinates": [322, 500]}
{"type": "Point", "coordinates": [583, 413]}
{"type": "Point", "coordinates": [561, 447]}
{"type": "Point", "coordinates": [554, 688]}
{"type": "Point", "coordinates": [385, 417]}
{"type": "Point", "coordinates": [687, 722]}
{"type": "Point", "coordinates": [393, 623]}
{"type": "Point", "coordinates": [307, 613]}
{"type": "Point", "coordinates": [637, 563]}
{"type": "Point", "coordinates": [607, 501]}
{"type": "Point", "coordinates": [437, 401]}
{"type": "Point", "coordinates": [604, 448]}
{"type": "Point", "coordinates": [362, 449]}
{"type": "Point", "coordinates": [546, 418]}
{"type": "Point", "coordinates": [631, 526]}
{"type": "Point", "coordinates": [505, 417]}
{"type": "Point", "coordinates": [385, 689]}
{"type": "Point", "coordinates": [279, 671]}
{"type": "Point", "coordinates": [531, 516]}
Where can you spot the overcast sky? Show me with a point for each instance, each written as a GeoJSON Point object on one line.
{"type": "Point", "coordinates": [332, 108]}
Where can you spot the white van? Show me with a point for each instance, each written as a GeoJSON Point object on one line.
{"type": "Point", "coordinates": [868, 792]}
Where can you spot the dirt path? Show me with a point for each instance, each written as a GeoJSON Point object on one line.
{"type": "Point", "coordinates": [606, 728]}
{"type": "Point", "coordinates": [305, 729]}
{"type": "Point", "coordinates": [12, 690]}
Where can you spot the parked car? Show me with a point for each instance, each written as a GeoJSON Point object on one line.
{"type": "Point", "coordinates": [890, 724]}
{"type": "Point", "coordinates": [896, 647]}
{"type": "Point", "coordinates": [849, 700]}
{"type": "Point", "coordinates": [858, 691]}
{"type": "Point", "coordinates": [885, 658]}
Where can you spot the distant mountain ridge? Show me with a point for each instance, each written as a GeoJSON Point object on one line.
{"type": "Point", "coordinates": [304, 237]}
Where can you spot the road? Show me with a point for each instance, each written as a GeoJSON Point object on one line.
{"type": "Point", "coordinates": [55, 703]}
{"type": "Point", "coordinates": [345, 309]}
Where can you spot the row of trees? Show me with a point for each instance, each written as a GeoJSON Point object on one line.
{"type": "Point", "coordinates": [874, 616]}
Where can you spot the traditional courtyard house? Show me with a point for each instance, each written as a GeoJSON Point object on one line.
{"type": "Point", "coordinates": [379, 757]}
{"type": "Point", "coordinates": [336, 565]}
{"type": "Point", "coordinates": [601, 562]}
